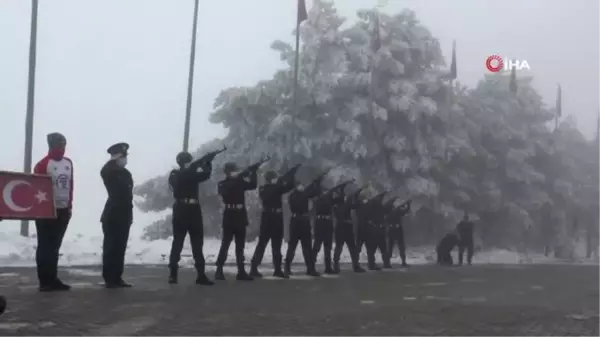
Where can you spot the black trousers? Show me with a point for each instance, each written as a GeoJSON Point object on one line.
{"type": "Point", "coordinates": [323, 237]}
{"type": "Point", "coordinates": [395, 238]}
{"type": "Point", "coordinates": [362, 239]}
{"type": "Point", "coordinates": [271, 229]}
{"type": "Point", "coordinates": [376, 242]}
{"type": "Point", "coordinates": [344, 235]}
{"type": "Point", "coordinates": [465, 244]}
{"type": "Point", "coordinates": [234, 229]}
{"type": "Point", "coordinates": [114, 245]}
{"type": "Point", "coordinates": [187, 219]}
{"type": "Point", "coordinates": [50, 234]}
{"type": "Point", "coordinates": [300, 232]}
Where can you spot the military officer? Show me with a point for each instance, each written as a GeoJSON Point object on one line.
{"type": "Point", "coordinates": [117, 215]}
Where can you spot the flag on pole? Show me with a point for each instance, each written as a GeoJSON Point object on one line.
{"type": "Point", "coordinates": [376, 39]}
{"type": "Point", "coordinates": [453, 73]}
{"type": "Point", "coordinates": [302, 14]}
{"type": "Point", "coordinates": [559, 101]}
{"type": "Point", "coordinates": [513, 81]}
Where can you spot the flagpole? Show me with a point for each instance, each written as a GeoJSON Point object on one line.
{"type": "Point", "coordinates": [188, 107]}
{"type": "Point", "coordinates": [296, 68]}
{"type": "Point", "coordinates": [30, 100]}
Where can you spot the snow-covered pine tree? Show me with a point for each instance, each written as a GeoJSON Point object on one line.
{"type": "Point", "coordinates": [488, 150]}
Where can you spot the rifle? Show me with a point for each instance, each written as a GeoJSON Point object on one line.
{"type": "Point", "coordinates": [319, 179]}
{"type": "Point", "coordinates": [290, 173]}
{"type": "Point", "coordinates": [355, 194]}
{"type": "Point", "coordinates": [388, 204]}
{"type": "Point", "coordinates": [378, 198]}
{"type": "Point", "coordinates": [209, 157]}
{"type": "Point", "coordinates": [254, 167]}
{"type": "Point", "coordinates": [206, 159]}
{"type": "Point", "coordinates": [338, 187]}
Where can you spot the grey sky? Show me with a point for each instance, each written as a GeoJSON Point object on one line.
{"type": "Point", "coordinates": [116, 70]}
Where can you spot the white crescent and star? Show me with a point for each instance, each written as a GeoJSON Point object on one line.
{"type": "Point", "coordinates": [7, 193]}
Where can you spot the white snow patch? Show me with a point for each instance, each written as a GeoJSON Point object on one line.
{"type": "Point", "coordinates": [409, 298]}
{"type": "Point", "coordinates": [79, 250]}
{"type": "Point", "coordinates": [367, 302]}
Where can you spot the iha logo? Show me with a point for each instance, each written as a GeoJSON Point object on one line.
{"type": "Point", "coordinates": [496, 64]}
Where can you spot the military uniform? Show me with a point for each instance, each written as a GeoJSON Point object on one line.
{"type": "Point", "coordinates": [362, 228]}
{"type": "Point", "coordinates": [395, 235]}
{"type": "Point", "coordinates": [323, 229]}
{"type": "Point", "coordinates": [235, 218]}
{"type": "Point", "coordinates": [117, 215]}
{"type": "Point", "coordinates": [300, 228]}
{"type": "Point", "coordinates": [376, 234]}
{"type": "Point", "coordinates": [271, 222]}
{"type": "Point", "coordinates": [344, 233]}
{"type": "Point", "coordinates": [465, 234]}
{"type": "Point", "coordinates": [445, 247]}
{"type": "Point", "coordinates": [187, 214]}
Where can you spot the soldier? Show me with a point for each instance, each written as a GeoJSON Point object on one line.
{"type": "Point", "coordinates": [362, 228]}
{"type": "Point", "coordinates": [377, 229]}
{"type": "Point", "coordinates": [445, 247]}
{"type": "Point", "coordinates": [235, 218]}
{"type": "Point", "coordinates": [300, 225]}
{"type": "Point", "coordinates": [324, 225]}
{"type": "Point", "coordinates": [395, 236]}
{"type": "Point", "coordinates": [187, 214]}
{"type": "Point", "coordinates": [50, 232]}
{"type": "Point", "coordinates": [344, 233]}
{"type": "Point", "coordinates": [271, 220]}
{"type": "Point", "coordinates": [465, 234]}
{"type": "Point", "coordinates": [117, 215]}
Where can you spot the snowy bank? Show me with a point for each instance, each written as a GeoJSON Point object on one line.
{"type": "Point", "coordinates": [79, 250]}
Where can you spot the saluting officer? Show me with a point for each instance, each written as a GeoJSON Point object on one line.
{"type": "Point", "coordinates": [117, 215]}
{"type": "Point", "coordinates": [187, 214]}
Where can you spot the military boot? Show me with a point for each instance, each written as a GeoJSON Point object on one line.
{"type": "Point", "coordinates": [336, 267]}
{"type": "Point", "coordinates": [243, 276]}
{"type": "Point", "coordinates": [280, 274]}
{"type": "Point", "coordinates": [172, 275]}
{"type": "Point", "coordinates": [374, 267]}
{"type": "Point", "coordinates": [288, 270]}
{"type": "Point", "coordinates": [328, 269]}
{"type": "Point", "coordinates": [312, 271]}
{"type": "Point", "coordinates": [255, 273]}
{"type": "Point", "coordinates": [358, 269]}
{"type": "Point", "coordinates": [201, 279]}
{"type": "Point", "coordinates": [387, 265]}
{"type": "Point", "coordinates": [219, 274]}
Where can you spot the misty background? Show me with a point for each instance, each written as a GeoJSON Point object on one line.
{"type": "Point", "coordinates": [111, 71]}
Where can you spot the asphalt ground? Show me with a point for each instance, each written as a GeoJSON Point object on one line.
{"type": "Point", "coordinates": [421, 300]}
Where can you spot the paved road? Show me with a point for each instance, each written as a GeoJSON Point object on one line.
{"type": "Point", "coordinates": [424, 300]}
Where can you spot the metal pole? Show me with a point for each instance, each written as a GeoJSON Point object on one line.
{"type": "Point", "coordinates": [30, 101]}
{"type": "Point", "coordinates": [296, 67]}
{"type": "Point", "coordinates": [188, 107]}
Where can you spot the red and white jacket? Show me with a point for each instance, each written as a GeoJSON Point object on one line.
{"type": "Point", "coordinates": [61, 172]}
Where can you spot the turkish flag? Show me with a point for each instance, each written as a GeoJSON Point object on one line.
{"type": "Point", "coordinates": [26, 196]}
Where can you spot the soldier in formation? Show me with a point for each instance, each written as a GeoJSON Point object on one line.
{"type": "Point", "coordinates": [271, 220]}
{"type": "Point", "coordinates": [187, 214]}
{"type": "Point", "coordinates": [379, 221]}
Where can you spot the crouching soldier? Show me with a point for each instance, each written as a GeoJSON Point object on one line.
{"type": "Point", "coordinates": [445, 247]}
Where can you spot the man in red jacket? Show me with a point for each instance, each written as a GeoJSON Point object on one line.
{"type": "Point", "coordinates": [50, 232]}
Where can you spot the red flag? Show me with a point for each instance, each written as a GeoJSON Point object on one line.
{"type": "Point", "coordinates": [26, 196]}
{"type": "Point", "coordinates": [376, 41]}
{"type": "Point", "coordinates": [302, 14]}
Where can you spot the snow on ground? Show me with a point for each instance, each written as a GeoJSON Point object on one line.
{"type": "Point", "coordinates": [86, 250]}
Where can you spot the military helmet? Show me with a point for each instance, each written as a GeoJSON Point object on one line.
{"type": "Point", "coordinates": [229, 167]}
{"type": "Point", "coordinates": [183, 158]}
{"type": "Point", "coordinates": [270, 175]}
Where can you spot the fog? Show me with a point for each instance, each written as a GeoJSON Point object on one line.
{"type": "Point", "coordinates": [116, 70]}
